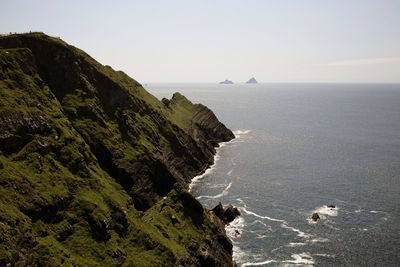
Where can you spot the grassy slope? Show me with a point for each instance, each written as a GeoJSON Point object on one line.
{"type": "Point", "coordinates": [57, 206]}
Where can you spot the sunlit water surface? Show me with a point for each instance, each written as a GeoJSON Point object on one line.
{"type": "Point", "coordinates": [298, 148]}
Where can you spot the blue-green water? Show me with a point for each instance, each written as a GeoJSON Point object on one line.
{"type": "Point", "coordinates": [300, 147]}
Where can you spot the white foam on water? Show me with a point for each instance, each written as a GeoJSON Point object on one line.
{"type": "Point", "coordinates": [262, 223]}
{"type": "Point", "coordinates": [236, 225]}
{"type": "Point", "coordinates": [216, 186]}
{"type": "Point", "coordinates": [262, 217]}
{"type": "Point", "coordinates": [325, 210]}
{"type": "Point", "coordinates": [197, 178]}
{"type": "Point", "coordinates": [222, 144]}
{"type": "Point", "coordinates": [301, 258]}
{"type": "Point", "coordinates": [229, 173]}
{"type": "Point", "coordinates": [319, 240]}
{"type": "Point", "coordinates": [241, 202]}
{"type": "Point", "coordinates": [327, 224]}
{"type": "Point", "coordinates": [324, 255]}
{"type": "Point", "coordinates": [223, 193]}
{"type": "Point", "coordinates": [261, 236]}
{"type": "Point", "coordinates": [357, 211]}
{"type": "Point", "coordinates": [257, 263]}
{"type": "Point", "coordinates": [373, 211]}
{"type": "Point", "coordinates": [294, 244]}
{"type": "Point", "coordinates": [311, 221]}
{"type": "Point", "coordinates": [283, 223]}
{"type": "Point", "coordinates": [237, 253]}
{"type": "Point", "coordinates": [238, 133]}
{"type": "Point", "coordinates": [299, 233]}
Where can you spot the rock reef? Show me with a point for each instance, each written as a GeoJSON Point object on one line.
{"type": "Point", "coordinates": [226, 82]}
{"type": "Point", "coordinates": [252, 80]}
{"type": "Point", "coordinates": [94, 170]}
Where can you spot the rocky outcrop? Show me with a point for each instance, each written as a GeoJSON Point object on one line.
{"type": "Point", "coordinates": [315, 217]}
{"type": "Point", "coordinates": [252, 80]}
{"type": "Point", "coordinates": [226, 82]}
{"type": "Point", "coordinates": [94, 169]}
{"type": "Point", "coordinates": [225, 214]}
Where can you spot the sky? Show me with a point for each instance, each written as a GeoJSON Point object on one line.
{"type": "Point", "coordinates": [210, 41]}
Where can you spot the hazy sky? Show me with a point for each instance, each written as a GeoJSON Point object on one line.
{"type": "Point", "coordinates": [209, 41]}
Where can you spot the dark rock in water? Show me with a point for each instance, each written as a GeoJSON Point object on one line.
{"type": "Point", "coordinates": [230, 213]}
{"type": "Point", "coordinates": [237, 233]}
{"type": "Point", "coordinates": [331, 206]}
{"type": "Point", "coordinates": [226, 82]}
{"type": "Point", "coordinates": [315, 217]}
{"type": "Point", "coordinates": [218, 210]}
{"type": "Point", "coordinates": [227, 214]}
{"type": "Point", "coordinates": [252, 80]}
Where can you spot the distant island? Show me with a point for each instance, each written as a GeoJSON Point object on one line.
{"type": "Point", "coordinates": [226, 82]}
{"type": "Point", "coordinates": [252, 80]}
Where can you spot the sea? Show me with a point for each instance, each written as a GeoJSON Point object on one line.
{"type": "Point", "coordinates": [300, 147]}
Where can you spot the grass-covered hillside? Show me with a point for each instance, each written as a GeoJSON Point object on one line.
{"type": "Point", "coordinates": [86, 159]}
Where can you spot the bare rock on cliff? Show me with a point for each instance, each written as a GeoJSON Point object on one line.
{"type": "Point", "coordinates": [225, 214]}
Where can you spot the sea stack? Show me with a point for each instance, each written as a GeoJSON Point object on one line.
{"type": "Point", "coordinates": [226, 82]}
{"type": "Point", "coordinates": [252, 80]}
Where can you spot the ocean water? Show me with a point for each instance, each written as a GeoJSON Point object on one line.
{"type": "Point", "coordinates": [299, 148]}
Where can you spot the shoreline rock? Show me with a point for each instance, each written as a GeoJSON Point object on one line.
{"type": "Point", "coordinates": [226, 82]}
{"type": "Point", "coordinates": [226, 214]}
{"type": "Point", "coordinates": [315, 217]}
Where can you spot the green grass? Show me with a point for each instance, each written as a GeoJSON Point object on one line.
{"type": "Point", "coordinates": [57, 205]}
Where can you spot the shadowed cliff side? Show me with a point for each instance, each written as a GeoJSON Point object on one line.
{"type": "Point", "coordinates": [86, 157]}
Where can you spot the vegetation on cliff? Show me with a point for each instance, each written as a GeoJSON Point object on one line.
{"type": "Point", "coordinates": [93, 168]}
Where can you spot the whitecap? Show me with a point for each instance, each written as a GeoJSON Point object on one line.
{"type": "Point", "coordinates": [238, 133]}
{"type": "Point", "coordinates": [294, 244]}
{"type": "Point", "coordinates": [241, 202]}
{"type": "Point", "coordinates": [223, 193]}
{"type": "Point", "coordinates": [236, 225]}
{"type": "Point", "coordinates": [258, 263]}
{"type": "Point", "coordinates": [299, 233]}
{"type": "Point", "coordinates": [324, 255]}
{"type": "Point", "coordinates": [197, 178]}
{"type": "Point", "coordinates": [319, 240]}
{"type": "Point", "coordinates": [373, 211]}
{"type": "Point", "coordinates": [229, 173]}
{"type": "Point", "coordinates": [260, 222]}
{"type": "Point", "coordinates": [325, 210]}
{"type": "Point", "coordinates": [215, 185]}
{"type": "Point", "coordinates": [237, 253]}
{"type": "Point", "coordinates": [302, 258]}
{"type": "Point", "coordinates": [262, 217]}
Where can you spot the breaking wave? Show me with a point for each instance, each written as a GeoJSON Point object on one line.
{"type": "Point", "coordinates": [223, 193]}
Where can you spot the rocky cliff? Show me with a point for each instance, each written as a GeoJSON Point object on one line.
{"type": "Point", "coordinates": [94, 169]}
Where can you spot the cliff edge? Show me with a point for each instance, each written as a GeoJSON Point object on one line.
{"type": "Point", "coordinates": [94, 169]}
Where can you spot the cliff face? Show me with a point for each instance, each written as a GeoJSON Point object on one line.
{"type": "Point", "coordinates": [87, 156]}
